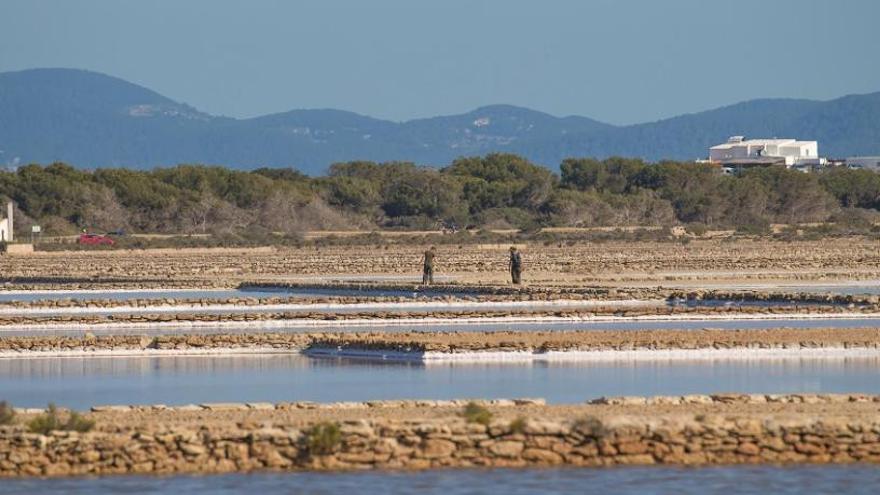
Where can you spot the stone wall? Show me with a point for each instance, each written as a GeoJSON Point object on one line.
{"type": "Point", "coordinates": [646, 438]}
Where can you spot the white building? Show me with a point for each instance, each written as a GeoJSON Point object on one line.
{"type": "Point", "coordinates": [791, 152]}
{"type": "Point", "coordinates": [6, 225]}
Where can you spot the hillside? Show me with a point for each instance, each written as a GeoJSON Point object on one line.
{"type": "Point", "coordinates": [94, 120]}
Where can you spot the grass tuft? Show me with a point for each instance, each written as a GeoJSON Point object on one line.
{"type": "Point", "coordinates": [475, 413]}
{"type": "Point", "coordinates": [52, 420]}
{"type": "Point", "coordinates": [518, 425]}
{"type": "Point", "coordinates": [7, 414]}
{"type": "Point", "coordinates": [323, 438]}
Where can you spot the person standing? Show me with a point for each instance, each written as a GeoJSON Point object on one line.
{"type": "Point", "coordinates": [515, 266]}
{"type": "Point", "coordinates": [428, 268]}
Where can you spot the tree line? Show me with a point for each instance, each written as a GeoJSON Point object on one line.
{"type": "Point", "coordinates": [492, 191]}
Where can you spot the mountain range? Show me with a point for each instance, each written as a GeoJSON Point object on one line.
{"type": "Point", "coordinates": [93, 120]}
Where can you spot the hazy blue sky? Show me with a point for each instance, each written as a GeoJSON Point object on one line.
{"type": "Point", "coordinates": [620, 61]}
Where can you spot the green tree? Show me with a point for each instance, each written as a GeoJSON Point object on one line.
{"type": "Point", "coordinates": [501, 181]}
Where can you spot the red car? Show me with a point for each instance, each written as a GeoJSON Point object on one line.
{"type": "Point", "coordinates": [95, 239]}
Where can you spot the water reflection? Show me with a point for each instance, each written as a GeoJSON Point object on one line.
{"type": "Point", "coordinates": [747, 480]}
{"type": "Point", "coordinates": [83, 382]}
{"type": "Point", "coordinates": [125, 295]}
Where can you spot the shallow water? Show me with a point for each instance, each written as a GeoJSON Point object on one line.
{"type": "Point", "coordinates": [746, 480]}
{"type": "Point", "coordinates": [414, 307]}
{"type": "Point", "coordinates": [746, 303]}
{"type": "Point", "coordinates": [126, 295]}
{"type": "Point", "coordinates": [81, 382]}
{"type": "Point", "coordinates": [844, 290]}
{"type": "Point", "coordinates": [861, 287]}
{"type": "Point", "coordinates": [484, 325]}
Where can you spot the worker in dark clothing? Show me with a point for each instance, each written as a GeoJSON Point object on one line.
{"type": "Point", "coordinates": [515, 265]}
{"type": "Point", "coordinates": [428, 269]}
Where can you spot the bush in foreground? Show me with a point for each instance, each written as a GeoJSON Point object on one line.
{"type": "Point", "coordinates": [322, 438]}
{"type": "Point", "coordinates": [518, 425]}
{"type": "Point", "coordinates": [475, 413]}
{"type": "Point", "coordinates": [52, 421]}
{"type": "Point", "coordinates": [7, 414]}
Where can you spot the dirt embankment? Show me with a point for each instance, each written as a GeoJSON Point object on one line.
{"type": "Point", "coordinates": [195, 317]}
{"type": "Point", "coordinates": [464, 341]}
{"type": "Point", "coordinates": [605, 340]}
{"type": "Point", "coordinates": [704, 430]}
{"type": "Point", "coordinates": [611, 262]}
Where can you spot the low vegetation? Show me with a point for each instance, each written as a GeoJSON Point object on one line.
{"type": "Point", "coordinates": [322, 438]}
{"type": "Point", "coordinates": [54, 420]}
{"type": "Point", "coordinates": [496, 191]}
{"type": "Point", "coordinates": [7, 414]}
{"type": "Point", "coordinates": [591, 426]}
{"type": "Point", "coordinates": [475, 413]}
{"type": "Point", "coordinates": [518, 425]}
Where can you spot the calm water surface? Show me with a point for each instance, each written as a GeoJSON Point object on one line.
{"type": "Point", "coordinates": [83, 382]}
{"type": "Point", "coordinates": [746, 480]}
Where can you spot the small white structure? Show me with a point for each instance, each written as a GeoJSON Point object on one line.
{"type": "Point", "coordinates": [871, 163]}
{"type": "Point", "coordinates": [766, 151]}
{"type": "Point", "coordinates": [6, 225]}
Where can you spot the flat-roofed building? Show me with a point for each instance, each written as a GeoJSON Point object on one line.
{"type": "Point", "coordinates": [740, 151]}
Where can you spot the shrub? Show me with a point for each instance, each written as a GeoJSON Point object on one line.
{"type": "Point", "coordinates": [475, 413]}
{"type": "Point", "coordinates": [322, 438]}
{"type": "Point", "coordinates": [7, 415]}
{"type": "Point", "coordinates": [52, 421]}
{"type": "Point", "coordinates": [697, 229]}
{"type": "Point", "coordinates": [518, 425]}
{"type": "Point", "coordinates": [591, 426]}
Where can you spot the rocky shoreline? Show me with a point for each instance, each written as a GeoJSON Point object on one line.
{"type": "Point", "coordinates": [688, 430]}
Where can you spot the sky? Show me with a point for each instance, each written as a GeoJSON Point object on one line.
{"type": "Point", "coordinates": [619, 61]}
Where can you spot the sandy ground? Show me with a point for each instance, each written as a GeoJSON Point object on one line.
{"type": "Point", "coordinates": [507, 341]}
{"type": "Point", "coordinates": [147, 419]}
{"type": "Point", "coordinates": [612, 263]}
{"type": "Point", "coordinates": [607, 339]}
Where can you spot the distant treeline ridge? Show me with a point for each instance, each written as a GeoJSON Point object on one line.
{"type": "Point", "coordinates": [495, 191]}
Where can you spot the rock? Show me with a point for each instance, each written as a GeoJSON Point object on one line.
{"type": "Point", "coordinates": [632, 448]}
{"type": "Point", "coordinates": [100, 409]}
{"type": "Point", "coordinates": [435, 448]}
{"type": "Point", "coordinates": [729, 398]}
{"type": "Point", "coordinates": [542, 456]}
{"type": "Point", "coordinates": [507, 448]}
{"type": "Point", "coordinates": [620, 401]}
{"type": "Point", "coordinates": [193, 449]}
{"type": "Point", "coordinates": [224, 406]}
{"type": "Point", "coordinates": [187, 408]}
{"type": "Point", "coordinates": [749, 449]}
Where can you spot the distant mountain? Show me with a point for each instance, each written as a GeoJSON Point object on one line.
{"type": "Point", "coordinates": [92, 120]}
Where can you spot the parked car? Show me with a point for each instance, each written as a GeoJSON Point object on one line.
{"type": "Point", "coordinates": [95, 240]}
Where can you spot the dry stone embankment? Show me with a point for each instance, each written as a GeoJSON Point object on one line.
{"type": "Point", "coordinates": [853, 259]}
{"type": "Point", "coordinates": [690, 430]}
